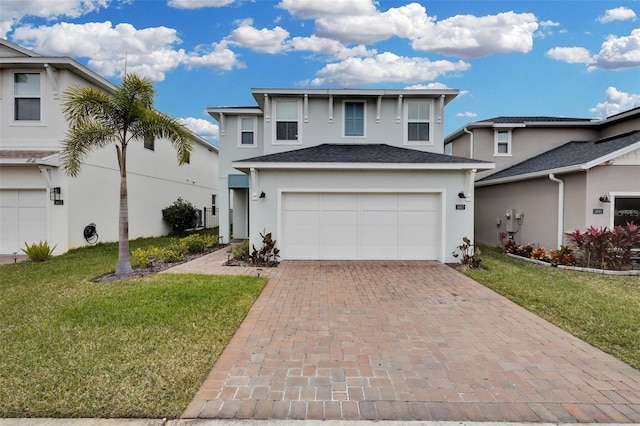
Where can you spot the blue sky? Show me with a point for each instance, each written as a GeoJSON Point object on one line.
{"type": "Point", "coordinates": [558, 58]}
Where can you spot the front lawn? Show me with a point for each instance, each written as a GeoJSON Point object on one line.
{"type": "Point", "coordinates": [603, 310]}
{"type": "Point", "coordinates": [70, 347]}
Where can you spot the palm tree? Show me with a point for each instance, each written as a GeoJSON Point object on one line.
{"type": "Point", "coordinates": [97, 119]}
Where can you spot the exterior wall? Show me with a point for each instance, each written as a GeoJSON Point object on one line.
{"type": "Point", "coordinates": [538, 199]}
{"type": "Point", "coordinates": [620, 127]}
{"type": "Point", "coordinates": [457, 223]}
{"type": "Point", "coordinates": [612, 181]}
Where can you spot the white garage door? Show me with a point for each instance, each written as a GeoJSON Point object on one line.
{"type": "Point", "coordinates": [363, 226]}
{"type": "Point", "coordinates": [23, 218]}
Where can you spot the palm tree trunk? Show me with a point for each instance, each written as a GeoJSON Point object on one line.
{"type": "Point", "coordinates": [124, 264]}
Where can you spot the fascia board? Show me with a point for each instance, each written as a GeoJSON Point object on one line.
{"type": "Point", "coordinates": [240, 165]}
{"type": "Point", "coordinates": [534, 175]}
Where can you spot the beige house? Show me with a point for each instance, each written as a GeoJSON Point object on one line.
{"type": "Point", "coordinates": [38, 201]}
{"type": "Point", "coordinates": [553, 175]}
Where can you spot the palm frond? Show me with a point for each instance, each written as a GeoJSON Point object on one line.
{"type": "Point", "coordinates": [80, 141]}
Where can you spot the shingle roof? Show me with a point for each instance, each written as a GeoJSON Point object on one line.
{"type": "Point", "coordinates": [359, 153]}
{"type": "Point", "coordinates": [26, 154]}
{"type": "Point", "coordinates": [570, 154]}
{"type": "Point", "coordinates": [533, 119]}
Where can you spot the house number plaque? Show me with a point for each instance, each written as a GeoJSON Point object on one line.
{"type": "Point", "coordinates": [460, 206]}
{"type": "Point", "coordinates": [598, 211]}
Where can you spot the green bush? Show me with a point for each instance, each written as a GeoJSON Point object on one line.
{"type": "Point", "coordinates": [169, 255]}
{"type": "Point", "coordinates": [181, 215]}
{"type": "Point", "coordinates": [194, 243]}
{"type": "Point", "coordinates": [241, 251]}
{"type": "Point", "coordinates": [470, 254]}
{"type": "Point", "coordinates": [38, 252]}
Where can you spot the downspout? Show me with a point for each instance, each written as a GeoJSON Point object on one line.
{"type": "Point", "coordinates": [560, 206]}
{"type": "Point", "coordinates": [470, 141]}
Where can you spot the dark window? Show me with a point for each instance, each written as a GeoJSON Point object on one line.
{"type": "Point", "coordinates": [287, 130]}
{"type": "Point", "coordinates": [150, 143]}
{"type": "Point", "coordinates": [418, 131]}
{"type": "Point", "coordinates": [626, 210]}
{"type": "Point", "coordinates": [286, 120]}
{"type": "Point", "coordinates": [354, 118]}
{"type": "Point", "coordinates": [26, 91]}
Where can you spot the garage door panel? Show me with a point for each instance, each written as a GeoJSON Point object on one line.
{"type": "Point", "coordinates": [301, 201]}
{"type": "Point", "coordinates": [23, 218]}
{"type": "Point", "coordinates": [366, 226]}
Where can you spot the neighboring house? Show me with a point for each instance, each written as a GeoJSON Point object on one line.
{"type": "Point", "coordinates": [38, 201]}
{"type": "Point", "coordinates": [553, 175]}
{"type": "Point", "coordinates": [345, 174]}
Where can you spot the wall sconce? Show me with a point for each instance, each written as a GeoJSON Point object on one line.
{"type": "Point", "coordinates": [55, 196]}
{"type": "Point", "coordinates": [263, 195]}
{"type": "Point", "coordinates": [605, 199]}
{"type": "Point", "coordinates": [461, 195]}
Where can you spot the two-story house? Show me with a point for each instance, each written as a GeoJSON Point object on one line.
{"type": "Point", "coordinates": [553, 175]}
{"type": "Point", "coordinates": [38, 201]}
{"type": "Point", "coordinates": [345, 174]}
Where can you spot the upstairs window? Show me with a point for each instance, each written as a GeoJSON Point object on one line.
{"type": "Point", "coordinates": [27, 94]}
{"type": "Point", "coordinates": [354, 119]}
{"type": "Point", "coordinates": [150, 144]}
{"type": "Point", "coordinates": [502, 143]}
{"type": "Point", "coordinates": [287, 118]}
{"type": "Point", "coordinates": [247, 131]}
{"type": "Point", "coordinates": [418, 119]}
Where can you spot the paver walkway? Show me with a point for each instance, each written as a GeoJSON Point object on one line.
{"type": "Point", "coordinates": [405, 341]}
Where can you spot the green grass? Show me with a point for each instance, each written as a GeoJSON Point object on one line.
{"type": "Point", "coordinates": [70, 347]}
{"type": "Point", "coordinates": [603, 310]}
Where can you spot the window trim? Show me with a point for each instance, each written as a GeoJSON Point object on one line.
{"type": "Point", "coordinates": [254, 131]}
{"type": "Point", "coordinates": [14, 121]}
{"type": "Point", "coordinates": [496, 143]}
{"type": "Point", "coordinates": [429, 120]}
{"type": "Point", "coordinates": [344, 118]}
{"type": "Point", "coordinates": [274, 127]}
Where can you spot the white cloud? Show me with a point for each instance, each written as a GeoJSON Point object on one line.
{"type": "Point", "coordinates": [620, 52]}
{"type": "Point", "coordinates": [149, 51]}
{"type": "Point", "coordinates": [572, 55]}
{"type": "Point", "coordinates": [409, 21]}
{"type": "Point", "coordinates": [314, 9]}
{"type": "Point", "coordinates": [549, 24]}
{"type": "Point", "coordinates": [197, 4]}
{"type": "Point", "coordinates": [616, 102]}
{"type": "Point", "coordinates": [427, 86]}
{"type": "Point", "coordinates": [616, 53]}
{"type": "Point", "coordinates": [469, 36]}
{"type": "Point", "coordinates": [14, 11]}
{"type": "Point", "coordinates": [618, 14]}
{"type": "Point", "coordinates": [325, 46]}
{"type": "Point", "coordinates": [384, 68]}
{"type": "Point", "coordinates": [466, 114]}
{"type": "Point", "coordinates": [201, 127]}
{"type": "Point", "coordinates": [263, 40]}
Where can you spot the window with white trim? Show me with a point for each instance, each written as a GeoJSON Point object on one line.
{"type": "Point", "coordinates": [418, 122]}
{"type": "Point", "coordinates": [502, 143]}
{"type": "Point", "coordinates": [27, 96]}
{"type": "Point", "coordinates": [287, 114]}
{"type": "Point", "coordinates": [247, 131]}
{"type": "Point", "coordinates": [354, 118]}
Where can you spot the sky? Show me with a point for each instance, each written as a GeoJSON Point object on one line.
{"type": "Point", "coordinates": [547, 57]}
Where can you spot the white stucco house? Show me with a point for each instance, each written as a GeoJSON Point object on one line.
{"type": "Point", "coordinates": [345, 174]}
{"type": "Point", "coordinates": [553, 175]}
{"type": "Point", "coordinates": [39, 202]}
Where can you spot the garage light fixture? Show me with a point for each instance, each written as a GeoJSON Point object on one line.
{"type": "Point", "coordinates": [263, 195]}
{"type": "Point", "coordinates": [605, 199]}
{"type": "Point", "coordinates": [55, 196]}
{"type": "Point", "coordinates": [461, 195]}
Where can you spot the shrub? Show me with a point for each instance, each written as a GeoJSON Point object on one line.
{"type": "Point", "coordinates": [241, 251]}
{"type": "Point", "coordinates": [167, 255]}
{"type": "Point", "coordinates": [605, 248]}
{"type": "Point", "coordinates": [181, 215]}
{"type": "Point", "coordinates": [38, 252]}
{"type": "Point", "coordinates": [523, 250]}
{"type": "Point", "coordinates": [564, 256]}
{"type": "Point", "coordinates": [509, 246]}
{"type": "Point", "coordinates": [470, 254]}
{"type": "Point", "coordinates": [194, 243]}
{"type": "Point", "coordinates": [540, 254]}
{"type": "Point", "coordinates": [268, 253]}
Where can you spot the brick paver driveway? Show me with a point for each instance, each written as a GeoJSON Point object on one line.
{"type": "Point", "coordinates": [407, 341]}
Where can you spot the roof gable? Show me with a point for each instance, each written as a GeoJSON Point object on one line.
{"type": "Point", "coordinates": [576, 154]}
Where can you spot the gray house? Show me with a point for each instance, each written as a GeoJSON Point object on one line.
{"type": "Point", "coordinates": [345, 174]}
{"type": "Point", "coordinates": [553, 175]}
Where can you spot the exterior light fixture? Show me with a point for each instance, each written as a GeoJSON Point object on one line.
{"type": "Point", "coordinates": [605, 199]}
{"type": "Point", "coordinates": [461, 195]}
{"type": "Point", "coordinates": [263, 195]}
{"type": "Point", "coordinates": [15, 257]}
{"type": "Point", "coordinates": [55, 196]}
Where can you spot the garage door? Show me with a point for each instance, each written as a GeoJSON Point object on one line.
{"type": "Point", "coordinates": [360, 226]}
{"type": "Point", "coordinates": [23, 218]}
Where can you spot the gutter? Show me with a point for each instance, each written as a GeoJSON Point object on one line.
{"type": "Point", "coordinates": [464, 129]}
{"type": "Point", "coordinates": [560, 183]}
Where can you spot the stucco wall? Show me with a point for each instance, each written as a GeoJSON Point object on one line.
{"type": "Point", "coordinates": [457, 223]}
